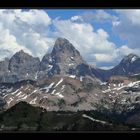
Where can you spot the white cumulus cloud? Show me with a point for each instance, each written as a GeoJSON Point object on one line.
{"type": "Point", "coordinates": [98, 16]}
{"type": "Point", "coordinates": [85, 39]}
{"type": "Point", "coordinates": [30, 31]}
{"type": "Point", "coordinates": [129, 27]}
{"type": "Point", "coordinates": [26, 30]}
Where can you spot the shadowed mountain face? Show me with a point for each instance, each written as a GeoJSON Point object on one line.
{"type": "Point", "coordinates": [24, 117]}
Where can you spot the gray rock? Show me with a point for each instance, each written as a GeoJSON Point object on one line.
{"type": "Point", "coordinates": [21, 66]}
{"type": "Point", "coordinates": [4, 70]}
{"type": "Point", "coordinates": [63, 57]}
{"type": "Point", "coordinates": [4, 66]}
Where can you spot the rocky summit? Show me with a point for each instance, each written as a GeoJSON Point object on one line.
{"type": "Point", "coordinates": [63, 59]}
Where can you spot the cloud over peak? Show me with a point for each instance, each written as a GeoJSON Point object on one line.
{"type": "Point", "coordinates": [26, 30]}
{"type": "Point", "coordinates": [35, 32]}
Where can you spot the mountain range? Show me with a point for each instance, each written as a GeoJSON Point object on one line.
{"type": "Point", "coordinates": [64, 81]}
{"type": "Point", "coordinates": [63, 60]}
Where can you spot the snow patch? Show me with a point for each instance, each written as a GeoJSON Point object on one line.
{"type": "Point", "coordinates": [50, 67]}
{"type": "Point", "coordinates": [8, 102]}
{"type": "Point", "coordinates": [103, 83]}
{"type": "Point", "coordinates": [133, 83]}
{"type": "Point", "coordinates": [71, 64]}
{"type": "Point", "coordinates": [24, 98]}
{"type": "Point", "coordinates": [71, 58]}
{"type": "Point", "coordinates": [131, 108]}
{"type": "Point", "coordinates": [94, 120]}
{"type": "Point", "coordinates": [72, 76]}
{"type": "Point", "coordinates": [45, 97]}
{"type": "Point", "coordinates": [26, 88]}
{"type": "Point", "coordinates": [124, 70]}
{"type": "Point", "coordinates": [63, 86]}
{"type": "Point", "coordinates": [108, 90]}
{"type": "Point", "coordinates": [81, 78]}
{"type": "Point", "coordinates": [136, 74]}
{"type": "Point", "coordinates": [53, 91]}
{"type": "Point", "coordinates": [47, 88]}
{"type": "Point", "coordinates": [113, 101]}
{"type": "Point", "coordinates": [59, 95]}
{"type": "Point", "coordinates": [15, 92]}
{"type": "Point", "coordinates": [134, 58]}
{"type": "Point", "coordinates": [18, 93]}
{"type": "Point", "coordinates": [50, 59]}
{"type": "Point", "coordinates": [33, 101]}
{"type": "Point", "coordinates": [21, 96]}
{"type": "Point", "coordinates": [36, 75]}
{"type": "Point", "coordinates": [124, 100]}
{"type": "Point", "coordinates": [110, 95]}
{"type": "Point", "coordinates": [5, 96]}
{"type": "Point", "coordinates": [61, 80]}
{"type": "Point", "coordinates": [119, 85]}
{"type": "Point", "coordinates": [114, 85]}
{"type": "Point", "coordinates": [34, 91]}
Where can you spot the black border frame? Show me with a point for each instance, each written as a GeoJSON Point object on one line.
{"type": "Point", "coordinates": [78, 4]}
{"type": "Point", "coordinates": [71, 4]}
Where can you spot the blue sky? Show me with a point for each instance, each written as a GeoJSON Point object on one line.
{"type": "Point", "coordinates": [103, 36]}
{"type": "Point", "coordinates": [67, 14]}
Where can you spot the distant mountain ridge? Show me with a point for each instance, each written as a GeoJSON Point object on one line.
{"type": "Point", "coordinates": [129, 65]}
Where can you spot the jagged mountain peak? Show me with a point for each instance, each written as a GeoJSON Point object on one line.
{"type": "Point", "coordinates": [22, 53]}
{"type": "Point", "coordinates": [130, 58]}
{"type": "Point", "coordinates": [131, 55]}
{"type": "Point", "coordinates": [23, 65]}
{"type": "Point", "coordinates": [63, 58]}
{"type": "Point", "coordinates": [63, 46]}
{"type": "Point", "coordinates": [60, 42]}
